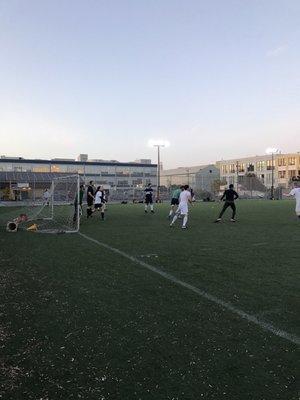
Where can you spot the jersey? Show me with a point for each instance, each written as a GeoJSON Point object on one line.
{"type": "Point", "coordinates": [81, 193]}
{"type": "Point", "coordinates": [176, 194]}
{"type": "Point", "coordinates": [46, 195]}
{"type": "Point", "coordinates": [296, 193]}
{"type": "Point", "coordinates": [90, 195]}
{"type": "Point", "coordinates": [230, 195]}
{"type": "Point", "coordinates": [99, 197]}
{"type": "Point", "coordinates": [148, 192]}
{"type": "Point", "coordinates": [90, 190]}
{"type": "Point", "coordinates": [184, 198]}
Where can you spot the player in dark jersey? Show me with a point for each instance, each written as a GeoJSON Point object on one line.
{"type": "Point", "coordinates": [90, 199]}
{"type": "Point", "coordinates": [230, 196]}
{"type": "Point", "coordinates": [148, 198]}
{"type": "Point", "coordinates": [76, 203]}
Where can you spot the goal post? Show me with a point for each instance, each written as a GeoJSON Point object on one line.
{"type": "Point", "coordinates": [58, 212]}
{"type": "Point", "coordinates": [65, 203]}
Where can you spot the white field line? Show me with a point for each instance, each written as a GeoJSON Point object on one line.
{"type": "Point", "coordinates": [248, 317]}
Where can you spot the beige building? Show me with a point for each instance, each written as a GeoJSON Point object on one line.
{"type": "Point", "coordinates": [198, 177]}
{"type": "Point", "coordinates": [280, 169]}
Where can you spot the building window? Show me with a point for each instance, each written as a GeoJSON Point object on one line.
{"type": "Point", "coordinates": [137, 174]}
{"type": "Point", "coordinates": [232, 168]}
{"type": "Point", "coordinates": [224, 169]}
{"type": "Point", "coordinates": [123, 183]}
{"type": "Point", "coordinates": [292, 174]}
{"type": "Point", "coordinates": [292, 161]}
{"type": "Point", "coordinates": [260, 165]}
{"type": "Point", "coordinates": [281, 162]}
{"type": "Point", "coordinates": [137, 182]}
{"type": "Point", "coordinates": [241, 167]}
{"type": "Point", "coordinates": [55, 168]}
{"type": "Point", "coordinates": [281, 174]}
{"type": "Point", "coordinates": [270, 165]}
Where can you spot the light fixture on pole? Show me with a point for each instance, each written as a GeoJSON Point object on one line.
{"type": "Point", "coordinates": [158, 144]}
{"type": "Point", "coordinates": [271, 151]}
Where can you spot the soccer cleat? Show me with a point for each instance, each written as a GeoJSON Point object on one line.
{"type": "Point", "coordinates": [233, 220]}
{"type": "Point", "coordinates": [152, 211]}
{"type": "Point", "coordinates": [218, 220]}
{"type": "Point", "coordinates": [184, 227]}
{"type": "Point", "coordinates": [146, 211]}
{"type": "Point", "coordinates": [171, 224]}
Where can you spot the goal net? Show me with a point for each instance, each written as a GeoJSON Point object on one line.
{"type": "Point", "coordinates": [58, 212]}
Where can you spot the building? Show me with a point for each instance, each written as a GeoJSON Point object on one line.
{"type": "Point", "coordinates": [20, 174]}
{"type": "Point", "coordinates": [201, 177]}
{"type": "Point", "coordinates": [277, 170]}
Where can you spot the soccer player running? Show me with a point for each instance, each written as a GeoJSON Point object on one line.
{"type": "Point", "coordinates": [230, 195]}
{"type": "Point", "coordinates": [90, 199]}
{"type": "Point", "coordinates": [175, 201]}
{"type": "Point", "coordinates": [296, 193]}
{"type": "Point", "coordinates": [148, 198]}
{"type": "Point", "coordinates": [185, 199]}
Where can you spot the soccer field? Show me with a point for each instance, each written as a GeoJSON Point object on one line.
{"type": "Point", "coordinates": [130, 308]}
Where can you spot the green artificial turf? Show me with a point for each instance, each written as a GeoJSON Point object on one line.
{"type": "Point", "coordinates": [79, 321]}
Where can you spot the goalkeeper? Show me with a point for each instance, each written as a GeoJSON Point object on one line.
{"type": "Point", "coordinates": [76, 204]}
{"type": "Point", "coordinates": [230, 195]}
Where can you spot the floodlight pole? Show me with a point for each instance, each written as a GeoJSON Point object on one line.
{"type": "Point", "coordinates": [237, 175]}
{"type": "Point", "coordinates": [272, 187]}
{"type": "Point", "coordinates": [188, 176]}
{"type": "Point", "coordinates": [158, 170]}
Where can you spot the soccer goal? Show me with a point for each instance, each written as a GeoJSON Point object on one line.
{"type": "Point", "coordinates": [58, 212]}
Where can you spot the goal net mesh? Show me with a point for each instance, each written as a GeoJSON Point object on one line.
{"type": "Point", "coordinates": [58, 212]}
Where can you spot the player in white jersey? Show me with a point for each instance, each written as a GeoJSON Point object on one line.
{"type": "Point", "coordinates": [99, 201]}
{"type": "Point", "coordinates": [296, 193]}
{"type": "Point", "coordinates": [183, 208]}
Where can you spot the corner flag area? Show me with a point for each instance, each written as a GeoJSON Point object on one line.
{"type": "Point", "coordinates": [129, 308]}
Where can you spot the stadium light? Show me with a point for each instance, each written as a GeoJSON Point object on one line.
{"type": "Point", "coordinates": [158, 143]}
{"type": "Point", "coordinates": [271, 151]}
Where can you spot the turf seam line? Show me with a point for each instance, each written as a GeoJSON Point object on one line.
{"type": "Point", "coordinates": [248, 317]}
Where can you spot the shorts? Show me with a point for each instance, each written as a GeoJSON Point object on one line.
{"type": "Point", "coordinates": [90, 202]}
{"type": "Point", "coordinates": [174, 201]}
{"type": "Point", "coordinates": [98, 206]}
{"type": "Point", "coordinates": [183, 208]}
{"type": "Point", "coordinates": [148, 200]}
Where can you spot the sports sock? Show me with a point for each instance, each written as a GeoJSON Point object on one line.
{"type": "Point", "coordinates": [185, 218]}
{"type": "Point", "coordinates": [174, 219]}
{"type": "Point", "coordinates": [151, 207]}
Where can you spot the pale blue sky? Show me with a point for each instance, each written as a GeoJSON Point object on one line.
{"type": "Point", "coordinates": [218, 79]}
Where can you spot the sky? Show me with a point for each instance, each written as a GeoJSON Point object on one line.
{"type": "Point", "coordinates": [217, 79]}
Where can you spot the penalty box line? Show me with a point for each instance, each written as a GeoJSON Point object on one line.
{"type": "Point", "coordinates": [227, 306]}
